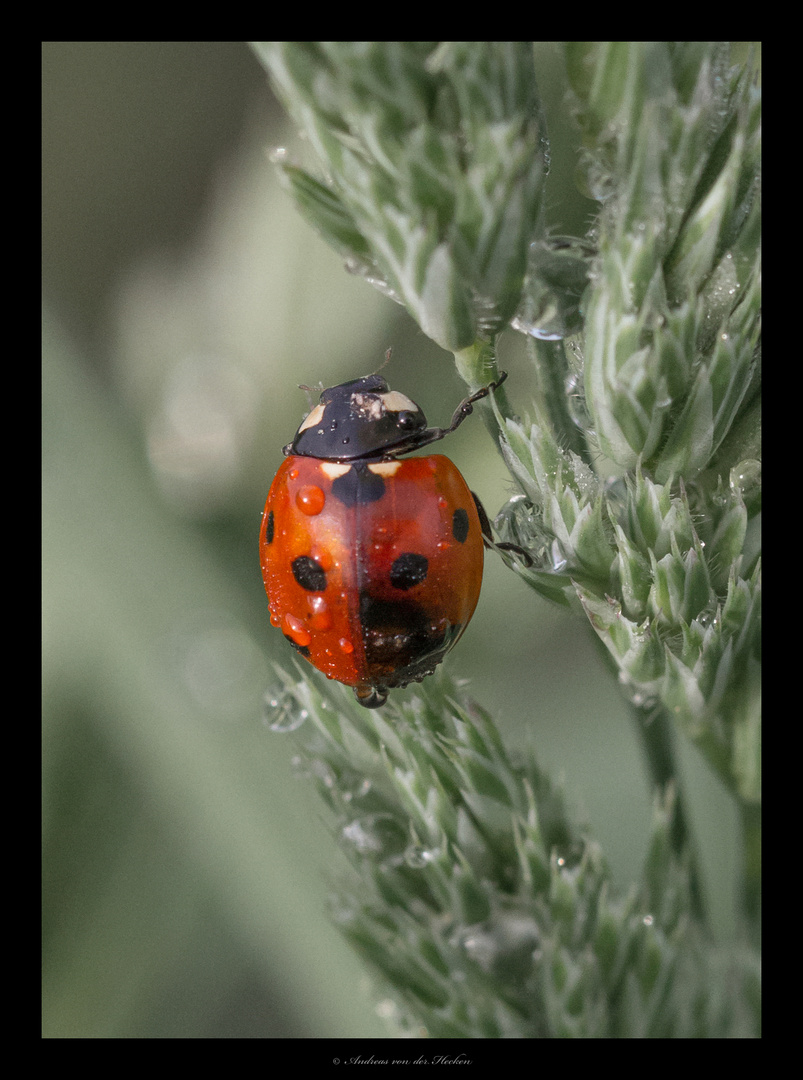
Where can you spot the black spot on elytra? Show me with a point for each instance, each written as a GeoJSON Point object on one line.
{"type": "Point", "coordinates": [403, 643]}
{"type": "Point", "coordinates": [309, 574]}
{"type": "Point", "coordinates": [408, 569]}
{"type": "Point", "coordinates": [460, 525]}
{"type": "Point", "coordinates": [396, 634]}
{"type": "Point", "coordinates": [358, 485]}
{"type": "Point", "coordinates": [269, 529]}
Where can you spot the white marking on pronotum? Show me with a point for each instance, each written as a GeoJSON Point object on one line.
{"type": "Point", "coordinates": [397, 402]}
{"type": "Point", "coordinates": [312, 419]}
{"type": "Point", "coordinates": [375, 406]}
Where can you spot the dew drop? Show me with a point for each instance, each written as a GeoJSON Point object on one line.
{"type": "Point", "coordinates": [281, 711]}
{"type": "Point", "coordinates": [320, 615]}
{"type": "Point", "coordinates": [746, 476]}
{"type": "Point", "coordinates": [508, 944]}
{"type": "Point", "coordinates": [548, 330]}
{"type": "Point", "coordinates": [294, 628]}
{"type": "Point", "coordinates": [310, 500]}
{"type": "Point", "coordinates": [557, 558]}
{"type": "Point", "coordinates": [418, 857]}
{"type": "Point", "coordinates": [375, 834]}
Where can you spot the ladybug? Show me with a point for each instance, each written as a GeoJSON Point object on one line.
{"type": "Point", "coordinates": [372, 564]}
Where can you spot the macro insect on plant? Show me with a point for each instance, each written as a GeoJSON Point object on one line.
{"type": "Point", "coordinates": [373, 564]}
{"type": "Point", "coordinates": [487, 909]}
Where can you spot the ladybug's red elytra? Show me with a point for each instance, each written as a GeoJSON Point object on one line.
{"type": "Point", "coordinates": [372, 564]}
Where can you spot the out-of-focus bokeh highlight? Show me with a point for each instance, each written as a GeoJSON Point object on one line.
{"type": "Point", "coordinates": [185, 864]}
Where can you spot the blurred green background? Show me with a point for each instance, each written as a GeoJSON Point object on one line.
{"type": "Point", "coordinates": [185, 864]}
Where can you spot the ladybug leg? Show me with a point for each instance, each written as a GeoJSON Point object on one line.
{"type": "Point", "coordinates": [466, 407]}
{"type": "Point", "coordinates": [498, 545]}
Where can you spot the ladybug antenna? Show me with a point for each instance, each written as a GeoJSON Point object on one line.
{"type": "Point", "coordinates": [385, 362]}
{"type": "Point", "coordinates": [309, 391]}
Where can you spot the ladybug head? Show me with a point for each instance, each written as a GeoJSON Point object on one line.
{"type": "Point", "coordinates": [359, 419]}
